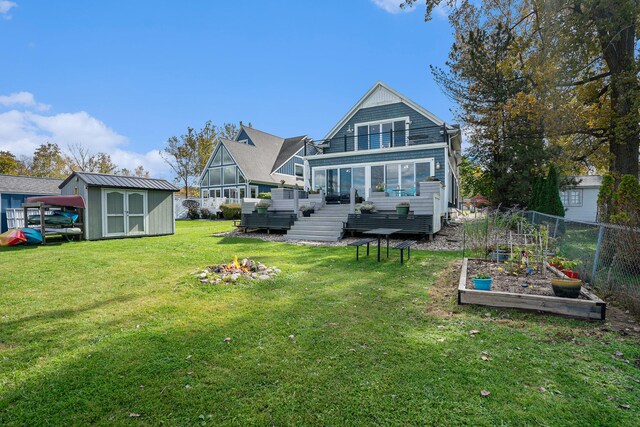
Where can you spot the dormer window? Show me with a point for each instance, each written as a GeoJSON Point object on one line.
{"type": "Point", "coordinates": [381, 134]}
{"type": "Point", "coordinates": [243, 141]}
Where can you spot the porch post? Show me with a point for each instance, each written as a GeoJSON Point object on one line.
{"type": "Point", "coordinates": [296, 200]}
{"type": "Point", "coordinates": [352, 200]}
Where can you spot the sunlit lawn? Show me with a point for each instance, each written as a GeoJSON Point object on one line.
{"type": "Point", "coordinates": [119, 332]}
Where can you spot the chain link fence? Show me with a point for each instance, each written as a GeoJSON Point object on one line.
{"type": "Point", "coordinates": [608, 255]}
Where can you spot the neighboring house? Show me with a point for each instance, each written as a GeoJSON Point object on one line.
{"type": "Point", "coordinates": [581, 201]}
{"type": "Point", "coordinates": [123, 206]}
{"type": "Point", "coordinates": [15, 189]}
{"type": "Point", "coordinates": [252, 163]}
{"type": "Point", "coordinates": [387, 140]}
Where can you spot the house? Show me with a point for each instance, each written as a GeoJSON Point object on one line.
{"type": "Point", "coordinates": [254, 162]}
{"type": "Point", "coordinates": [387, 142]}
{"type": "Point", "coordinates": [123, 206]}
{"type": "Point", "coordinates": [14, 189]}
{"type": "Point", "coordinates": [581, 200]}
{"type": "Point", "coordinates": [387, 150]}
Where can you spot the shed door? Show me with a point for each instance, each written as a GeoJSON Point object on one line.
{"type": "Point", "coordinates": [136, 213]}
{"type": "Point", "coordinates": [114, 212]}
{"type": "Point", "coordinates": [124, 213]}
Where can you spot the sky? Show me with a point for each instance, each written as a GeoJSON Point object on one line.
{"type": "Point", "coordinates": [122, 76]}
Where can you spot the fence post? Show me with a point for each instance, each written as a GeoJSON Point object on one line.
{"type": "Point", "coordinates": [597, 256]}
{"type": "Point", "coordinates": [533, 218]}
{"type": "Point", "coordinates": [555, 230]}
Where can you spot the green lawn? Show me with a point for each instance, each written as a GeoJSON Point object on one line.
{"type": "Point", "coordinates": [93, 332]}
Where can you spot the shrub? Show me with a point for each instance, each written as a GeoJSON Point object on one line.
{"type": "Point", "coordinates": [626, 202]}
{"type": "Point", "coordinates": [190, 203]}
{"type": "Point", "coordinates": [305, 208]}
{"type": "Point", "coordinates": [230, 211]}
{"type": "Point", "coordinates": [205, 213]}
{"type": "Point", "coordinates": [193, 212]}
{"type": "Point", "coordinates": [367, 207]}
{"type": "Point", "coordinates": [605, 197]}
{"type": "Point", "coordinates": [264, 196]}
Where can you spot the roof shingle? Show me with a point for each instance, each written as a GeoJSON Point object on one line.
{"type": "Point", "coordinates": [118, 181]}
{"type": "Point", "coordinates": [19, 184]}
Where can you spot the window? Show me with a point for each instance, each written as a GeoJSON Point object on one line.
{"type": "Point", "coordinates": [214, 176]}
{"type": "Point", "coordinates": [423, 172]}
{"type": "Point", "coordinates": [229, 175]}
{"type": "Point", "coordinates": [299, 170]}
{"type": "Point", "coordinates": [205, 194]}
{"type": "Point", "coordinates": [407, 178]}
{"type": "Point", "coordinates": [217, 193]}
{"type": "Point", "coordinates": [226, 158]}
{"type": "Point", "coordinates": [217, 160]}
{"type": "Point", "coordinates": [244, 141]}
{"type": "Point", "coordinates": [575, 197]}
{"type": "Point", "coordinates": [358, 180]}
{"type": "Point", "coordinates": [571, 197]}
{"type": "Point", "coordinates": [319, 181]}
{"type": "Point", "coordinates": [381, 135]}
{"type": "Point", "coordinates": [392, 176]}
{"type": "Point", "coordinates": [254, 191]}
{"type": "Point", "coordinates": [241, 177]}
{"type": "Point", "coordinates": [242, 192]}
{"type": "Point", "coordinates": [377, 177]}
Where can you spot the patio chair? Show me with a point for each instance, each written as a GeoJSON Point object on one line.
{"type": "Point", "coordinates": [411, 192]}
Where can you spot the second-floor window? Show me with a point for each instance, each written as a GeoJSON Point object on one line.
{"type": "Point", "coordinates": [382, 134]}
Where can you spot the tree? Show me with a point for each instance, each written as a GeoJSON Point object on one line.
{"type": "Point", "coordinates": [473, 180]}
{"type": "Point", "coordinates": [626, 202]}
{"type": "Point", "coordinates": [48, 161]}
{"type": "Point", "coordinates": [580, 59]}
{"type": "Point", "coordinates": [141, 172]}
{"type": "Point", "coordinates": [536, 194]}
{"type": "Point", "coordinates": [182, 155]}
{"type": "Point", "coordinates": [9, 165]}
{"type": "Point", "coordinates": [80, 158]}
{"type": "Point", "coordinates": [550, 202]}
{"type": "Point", "coordinates": [605, 198]}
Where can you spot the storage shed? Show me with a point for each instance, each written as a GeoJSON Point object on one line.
{"type": "Point", "coordinates": [14, 189]}
{"type": "Point", "coordinates": [123, 206]}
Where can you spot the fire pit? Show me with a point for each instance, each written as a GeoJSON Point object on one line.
{"type": "Point", "coordinates": [236, 270]}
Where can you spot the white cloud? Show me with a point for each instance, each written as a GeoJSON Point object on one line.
{"type": "Point", "coordinates": [22, 99]}
{"type": "Point", "coordinates": [391, 6]}
{"type": "Point", "coordinates": [21, 132]}
{"type": "Point", "coordinates": [5, 7]}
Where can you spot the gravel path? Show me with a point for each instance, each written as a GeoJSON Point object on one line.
{"type": "Point", "coordinates": [448, 239]}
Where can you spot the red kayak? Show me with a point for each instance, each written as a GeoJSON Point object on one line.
{"type": "Point", "coordinates": [12, 238]}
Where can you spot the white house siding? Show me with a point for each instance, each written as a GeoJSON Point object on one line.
{"type": "Point", "coordinates": [589, 209]}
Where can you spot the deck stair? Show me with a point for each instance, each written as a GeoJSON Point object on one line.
{"type": "Point", "coordinates": [324, 225]}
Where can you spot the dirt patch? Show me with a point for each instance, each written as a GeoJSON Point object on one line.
{"type": "Point", "coordinates": [444, 292]}
{"type": "Point", "coordinates": [503, 281]}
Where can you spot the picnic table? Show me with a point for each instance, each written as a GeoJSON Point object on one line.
{"type": "Point", "coordinates": [382, 232]}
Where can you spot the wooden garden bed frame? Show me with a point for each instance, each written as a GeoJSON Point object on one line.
{"type": "Point", "coordinates": [591, 308]}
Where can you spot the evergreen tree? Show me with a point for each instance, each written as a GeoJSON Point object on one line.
{"type": "Point", "coordinates": [605, 198]}
{"type": "Point", "coordinates": [536, 194]}
{"type": "Point", "coordinates": [550, 200]}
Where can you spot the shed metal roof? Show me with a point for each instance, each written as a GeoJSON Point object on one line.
{"type": "Point", "coordinates": [118, 181]}
{"type": "Point", "coordinates": [19, 184]}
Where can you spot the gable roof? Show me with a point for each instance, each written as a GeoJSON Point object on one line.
{"type": "Point", "coordinates": [19, 184]}
{"type": "Point", "coordinates": [259, 161]}
{"type": "Point", "coordinates": [382, 94]}
{"type": "Point", "coordinates": [290, 146]}
{"type": "Point", "coordinates": [119, 181]}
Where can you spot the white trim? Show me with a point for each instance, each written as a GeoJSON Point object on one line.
{"type": "Point", "coordinates": [378, 151]}
{"type": "Point", "coordinates": [125, 213]}
{"type": "Point", "coordinates": [429, 115]}
{"type": "Point", "coordinates": [367, 171]}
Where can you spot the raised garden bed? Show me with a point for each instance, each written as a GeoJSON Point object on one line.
{"type": "Point", "coordinates": [508, 292]}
